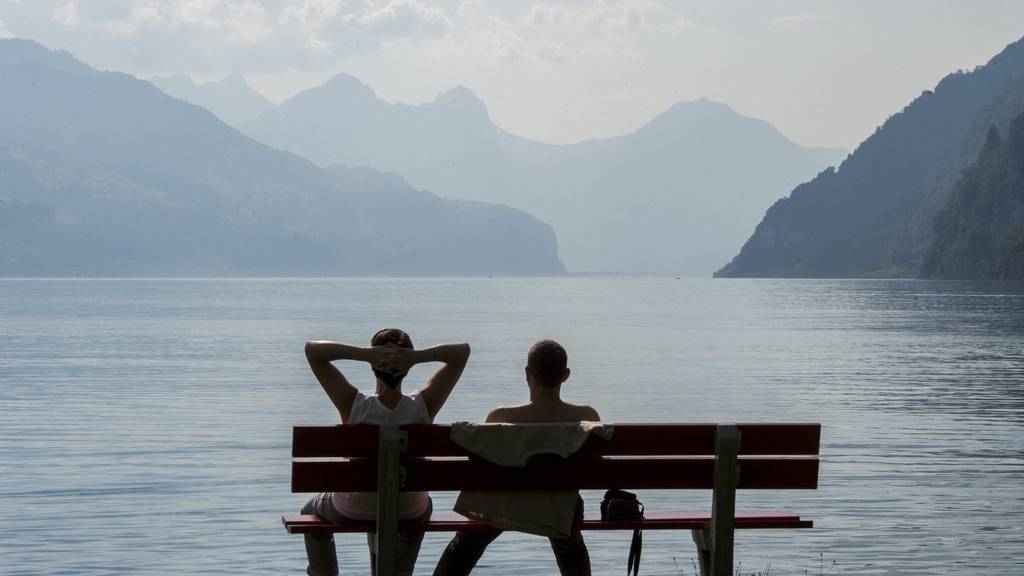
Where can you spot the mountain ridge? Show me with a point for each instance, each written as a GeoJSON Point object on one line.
{"type": "Point", "coordinates": [231, 98]}
{"type": "Point", "coordinates": [874, 215]}
{"type": "Point", "coordinates": [117, 178]}
{"type": "Point", "coordinates": [585, 190]}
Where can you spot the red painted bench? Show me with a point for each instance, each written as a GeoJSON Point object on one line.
{"type": "Point", "coordinates": [717, 457]}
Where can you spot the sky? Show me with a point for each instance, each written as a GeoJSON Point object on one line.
{"type": "Point", "coordinates": [823, 72]}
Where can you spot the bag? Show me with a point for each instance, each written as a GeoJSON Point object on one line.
{"type": "Point", "coordinates": [618, 506]}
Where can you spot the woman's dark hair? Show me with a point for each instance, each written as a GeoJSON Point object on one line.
{"type": "Point", "coordinates": [398, 338]}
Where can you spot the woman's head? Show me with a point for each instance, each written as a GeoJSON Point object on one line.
{"type": "Point", "coordinates": [395, 337]}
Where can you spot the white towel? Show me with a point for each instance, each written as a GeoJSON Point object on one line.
{"type": "Point", "coordinates": [541, 512]}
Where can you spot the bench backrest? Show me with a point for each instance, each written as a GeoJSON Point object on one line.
{"type": "Point", "coordinates": [638, 456]}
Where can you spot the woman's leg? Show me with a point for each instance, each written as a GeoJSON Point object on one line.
{"type": "Point", "coordinates": [320, 551]}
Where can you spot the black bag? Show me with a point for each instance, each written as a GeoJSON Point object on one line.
{"type": "Point", "coordinates": [617, 506]}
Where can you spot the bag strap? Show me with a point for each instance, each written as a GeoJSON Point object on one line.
{"type": "Point", "coordinates": [635, 547]}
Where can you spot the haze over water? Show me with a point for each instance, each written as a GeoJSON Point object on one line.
{"type": "Point", "coordinates": [145, 424]}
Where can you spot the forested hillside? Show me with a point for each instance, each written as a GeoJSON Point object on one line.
{"type": "Point", "coordinates": [874, 216]}
{"type": "Point", "coordinates": [980, 232]}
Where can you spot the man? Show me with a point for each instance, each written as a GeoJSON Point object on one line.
{"type": "Point", "coordinates": [390, 355]}
{"type": "Point", "coordinates": [546, 370]}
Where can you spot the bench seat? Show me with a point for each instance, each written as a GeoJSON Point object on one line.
{"type": "Point", "coordinates": [451, 522]}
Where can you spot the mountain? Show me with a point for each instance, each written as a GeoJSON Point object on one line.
{"type": "Point", "coordinates": [20, 51]}
{"type": "Point", "coordinates": [875, 215]}
{"type": "Point", "coordinates": [678, 195]}
{"type": "Point", "coordinates": [231, 99]}
{"type": "Point", "coordinates": [103, 174]}
{"type": "Point", "coordinates": [979, 234]}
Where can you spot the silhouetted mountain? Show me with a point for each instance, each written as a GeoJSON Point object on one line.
{"type": "Point", "coordinates": [104, 174]}
{"type": "Point", "coordinates": [875, 215]}
{"type": "Point", "coordinates": [980, 231]}
{"type": "Point", "coordinates": [231, 99]}
{"type": "Point", "coordinates": [678, 195]}
{"type": "Point", "coordinates": [18, 51]}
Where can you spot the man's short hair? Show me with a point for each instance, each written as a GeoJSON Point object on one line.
{"type": "Point", "coordinates": [398, 338]}
{"type": "Point", "coordinates": [547, 362]}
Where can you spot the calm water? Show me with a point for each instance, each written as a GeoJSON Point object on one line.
{"type": "Point", "coordinates": [145, 424]}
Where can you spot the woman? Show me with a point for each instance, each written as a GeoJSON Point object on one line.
{"type": "Point", "coordinates": [390, 355]}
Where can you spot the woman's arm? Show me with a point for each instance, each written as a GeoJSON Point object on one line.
{"type": "Point", "coordinates": [440, 385]}
{"type": "Point", "coordinates": [342, 393]}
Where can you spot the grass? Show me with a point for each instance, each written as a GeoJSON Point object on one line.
{"type": "Point", "coordinates": [823, 569]}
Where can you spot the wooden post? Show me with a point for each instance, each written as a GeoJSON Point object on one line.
{"type": "Point", "coordinates": [389, 464]}
{"type": "Point", "coordinates": [723, 505]}
{"type": "Point", "coordinates": [702, 538]}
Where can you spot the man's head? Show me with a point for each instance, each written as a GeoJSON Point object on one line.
{"type": "Point", "coordinates": [547, 364]}
{"type": "Point", "coordinates": [398, 338]}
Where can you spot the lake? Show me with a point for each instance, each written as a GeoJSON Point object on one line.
{"type": "Point", "coordinates": [145, 424]}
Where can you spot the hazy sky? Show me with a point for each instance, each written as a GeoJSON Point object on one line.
{"type": "Point", "coordinates": [823, 72]}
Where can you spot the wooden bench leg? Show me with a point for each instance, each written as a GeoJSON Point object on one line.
{"type": "Point", "coordinates": [723, 504]}
{"type": "Point", "coordinates": [702, 538]}
{"type": "Point", "coordinates": [389, 472]}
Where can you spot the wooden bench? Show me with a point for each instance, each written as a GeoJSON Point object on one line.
{"type": "Point", "coordinates": [421, 457]}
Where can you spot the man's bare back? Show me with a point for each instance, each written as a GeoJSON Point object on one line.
{"type": "Point", "coordinates": [546, 371]}
{"type": "Point", "coordinates": [544, 411]}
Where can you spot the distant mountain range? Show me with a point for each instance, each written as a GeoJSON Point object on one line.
{"type": "Point", "coordinates": [877, 215]}
{"type": "Point", "coordinates": [678, 195]}
{"type": "Point", "coordinates": [104, 174]}
{"type": "Point", "coordinates": [231, 99]}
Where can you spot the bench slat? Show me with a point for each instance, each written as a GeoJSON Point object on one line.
{"type": "Point", "coordinates": [427, 440]}
{"type": "Point", "coordinates": [359, 475]}
{"type": "Point", "coordinates": [451, 522]}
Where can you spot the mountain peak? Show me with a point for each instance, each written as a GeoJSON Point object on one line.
{"type": "Point", "coordinates": [701, 106]}
{"type": "Point", "coordinates": [460, 96]}
{"type": "Point", "coordinates": [349, 85]}
{"type": "Point", "coordinates": [463, 99]}
{"type": "Point", "coordinates": [236, 80]}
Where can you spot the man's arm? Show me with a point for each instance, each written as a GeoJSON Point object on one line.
{"type": "Point", "coordinates": [440, 385]}
{"type": "Point", "coordinates": [342, 393]}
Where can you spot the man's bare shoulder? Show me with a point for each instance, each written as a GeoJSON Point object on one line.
{"type": "Point", "coordinates": [517, 413]}
{"type": "Point", "coordinates": [532, 413]}
{"type": "Point", "coordinates": [502, 414]}
{"type": "Point", "coordinates": [584, 413]}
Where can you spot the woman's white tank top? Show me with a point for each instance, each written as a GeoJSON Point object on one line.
{"type": "Point", "coordinates": [411, 409]}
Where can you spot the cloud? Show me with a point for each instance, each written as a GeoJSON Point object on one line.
{"type": "Point", "coordinates": [213, 37]}
{"type": "Point", "coordinates": [631, 16]}
{"type": "Point", "coordinates": [67, 14]}
{"type": "Point", "coordinates": [406, 17]}
{"type": "Point", "coordinates": [799, 20]}
{"type": "Point", "coordinates": [4, 32]}
{"type": "Point", "coordinates": [330, 25]}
